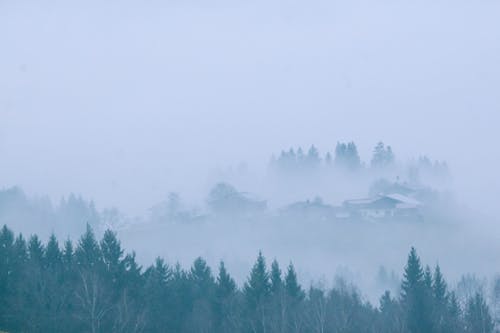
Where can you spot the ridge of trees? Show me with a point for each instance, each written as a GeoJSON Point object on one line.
{"type": "Point", "coordinates": [346, 157]}
{"type": "Point", "coordinates": [94, 286]}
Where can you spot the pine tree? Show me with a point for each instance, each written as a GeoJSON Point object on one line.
{"type": "Point", "coordinates": [440, 301]}
{"type": "Point", "coordinates": [439, 286]}
{"type": "Point", "coordinates": [225, 308]}
{"type": "Point", "coordinates": [328, 159]}
{"type": "Point", "coordinates": [67, 255]}
{"type": "Point", "coordinates": [346, 156]}
{"type": "Point", "coordinates": [390, 314]}
{"type": "Point", "coordinates": [53, 255]}
{"type": "Point", "coordinates": [35, 250]}
{"type": "Point", "coordinates": [225, 283]}
{"type": "Point", "coordinates": [88, 253]}
{"type": "Point", "coordinates": [278, 300]}
{"type": "Point", "coordinates": [454, 323]}
{"type": "Point", "coordinates": [111, 251]}
{"type": "Point", "coordinates": [292, 287]}
{"type": "Point", "coordinates": [258, 286]}
{"type": "Point", "coordinates": [6, 270]}
{"type": "Point", "coordinates": [201, 276]}
{"type": "Point", "coordinates": [313, 159]}
{"type": "Point", "coordinates": [256, 291]}
{"type": "Point", "coordinates": [414, 296]}
{"type": "Point", "coordinates": [294, 297]}
{"type": "Point", "coordinates": [428, 278]}
{"type": "Point", "coordinates": [276, 282]}
{"type": "Point", "coordinates": [477, 316]}
{"type": "Point", "coordinates": [382, 155]}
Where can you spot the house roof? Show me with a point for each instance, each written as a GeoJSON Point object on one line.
{"type": "Point", "coordinates": [364, 201]}
{"type": "Point", "coordinates": [403, 199]}
{"type": "Point", "coordinates": [397, 199]}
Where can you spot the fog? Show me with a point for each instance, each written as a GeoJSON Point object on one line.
{"type": "Point", "coordinates": [124, 102]}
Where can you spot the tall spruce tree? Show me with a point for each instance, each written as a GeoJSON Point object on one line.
{"type": "Point", "coordinates": [414, 296]}
{"type": "Point", "coordinates": [256, 291]}
{"type": "Point", "coordinates": [226, 309]}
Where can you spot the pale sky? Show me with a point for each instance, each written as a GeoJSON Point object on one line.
{"type": "Point", "coordinates": [123, 101]}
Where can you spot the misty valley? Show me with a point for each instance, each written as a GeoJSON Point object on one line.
{"type": "Point", "coordinates": [249, 166]}
{"type": "Point", "coordinates": [324, 266]}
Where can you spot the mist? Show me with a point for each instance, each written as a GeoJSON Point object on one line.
{"type": "Point", "coordinates": [114, 106]}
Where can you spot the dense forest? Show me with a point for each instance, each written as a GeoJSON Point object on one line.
{"type": "Point", "coordinates": [93, 286]}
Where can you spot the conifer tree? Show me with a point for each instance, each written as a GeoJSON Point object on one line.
{"type": "Point", "coordinates": [256, 291]}
{"type": "Point", "coordinates": [35, 250]}
{"type": "Point", "coordinates": [53, 255]}
{"type": "Point", "coordinates": [477, 316]}
{"type": "Point", "coordinates": [391, 319]}
{"type": "Point", "coordinates": [278, 299]}
{"type": "Point", "coordinates": [226, 307]}
{"type": "Point", "coordinates": [111, 251]}
{"type": "Point", "coordinates": [275, 276]}
{"type": "Point", "coordinates": [88, 253]}
{"type": "Point", "coordinates": [225, 283]}
{"type": "Point", "coordinates": [258, 286]}
{"type": "Point", "coordinates": [414, 296]}
{"type": "Point", "coordinates": [294, 297]}
{"type": "Point", "coordinates": [293, 289]}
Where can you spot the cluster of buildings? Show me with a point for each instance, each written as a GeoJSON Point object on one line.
{"type": "Point", "coordinates": [398, 205]}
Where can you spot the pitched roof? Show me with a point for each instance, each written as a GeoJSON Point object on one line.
{"type": "Point", "coordinates": [403, 199]}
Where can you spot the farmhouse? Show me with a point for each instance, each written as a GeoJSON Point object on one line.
{"type": "Point", "coordinates": [384, 206]}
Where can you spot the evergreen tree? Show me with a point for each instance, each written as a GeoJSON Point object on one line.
{"type": "Point", "coordinates": [477, 316]}
{"type": "Point", "coordinates": [391, 320]}
{"type": "Point", "coordinates": [454, 322]}
{"type": "Point", "coordinates": [157, 279]}
{"type": "Point", "coordinates": [67, 255]}
{"type": "Point", "coordinates": [414, 296]}
{"type": "Point", "coordinates": [201, 276]}
{"type": "Point", "coordinates": [275, 276]}
{"type": "Point", "coordinates": [382, 156]}
{"type": "Point", "coordinates": [226, 306]}
{"type": "Point", "coordinates": [258, 285]}
{"type": "Point", "coordinates": [256, 291]}
{"type": "Point", "coordinates": [53, 255]}
{"type": "Point", "coordinates": [35, 250]}
{"type": "Point", "coordinates": [6, 270]}
{"type": "Point", "coordinates": [293, 289]}
{"type": "Point", "coordinates": [313, 160]}
{"type": "Point", "coordinates": [300, 158]}
{"type": "Point", "coordinates": [225, 283]}
{"type": "Point", "coordinates": [346, 156]}
{"type": "Point", "coordinates": [97, 289]}
{"type": "Point", "coordinates": [439, 287]}
{"type": "Point", "coordinates": [278, 300]}
{"type": "Point", "coordinates": [328, 159]}
{"type": "Point", "coordinates": [88, 253]}
{"type": "Point", "coordinates": [294, 297]}
{"type": "Point", "coordinates": [111, 251]}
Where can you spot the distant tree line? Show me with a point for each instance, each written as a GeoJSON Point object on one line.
{"type": "Point", "coordinates": [69, 215]}
{"type": "Point", "coordinates": [345, 157]}
{"type": "Point", "coordinates": [93, 286]}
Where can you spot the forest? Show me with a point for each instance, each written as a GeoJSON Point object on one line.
{"type": "Point", "coordinates": [94, 286]}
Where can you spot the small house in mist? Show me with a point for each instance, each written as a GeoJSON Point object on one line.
{"type": "Point", "coordinates": [386, 206]}
{"type": "Point", "coordinates": [310, 209]}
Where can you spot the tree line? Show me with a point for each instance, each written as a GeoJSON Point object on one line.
{"type": "Point", "coordinates": [345, 156]}
{"type": "Point", "coordinates": [93, 286]}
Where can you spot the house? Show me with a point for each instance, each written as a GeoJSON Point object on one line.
{"type": "Point", "coordinates": [384, 206]}
{"type": "Point", "coordinates": [312, 210]}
